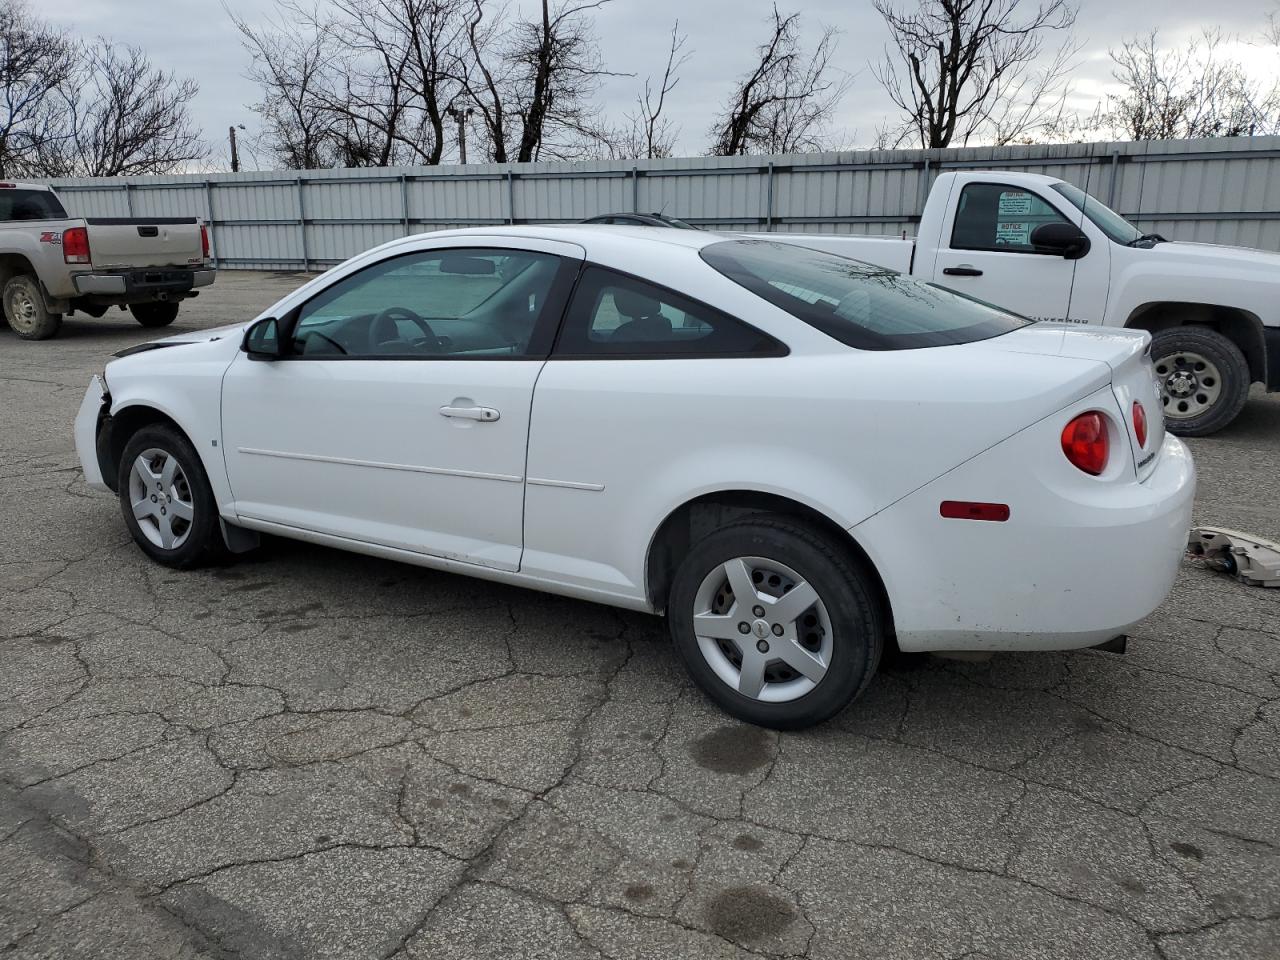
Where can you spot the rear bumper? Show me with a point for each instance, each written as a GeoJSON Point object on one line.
{"type": "Point", "coordinates": [1067, 570]}
{"type": "Point", "coordinates": [141, 284]}
{"type": "Point", "coordinates": [89, 433]}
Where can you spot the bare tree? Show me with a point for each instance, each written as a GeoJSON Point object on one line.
{"type": "Point", "coordinates": [291, 66]}
{"type": "Point", "coordinates": [1192, 92]}
{"type": "Point", "coordinates": [785, 102]}
{"type": "Point", "coordinates": [486, 79]}
{"type": "Point", "coordinates": [34, 59]}
{"type": "Point", "coordinates": [652, 135]}
{"type": "Point", "coordinates": [126, 116]}
{"type": "Point", "coordinates": [963, 68]}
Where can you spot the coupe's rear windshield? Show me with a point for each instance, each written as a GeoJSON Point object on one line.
{"type": "Point", "coordinates": [858, 304]}
{"type": "Point", "coordinates": [19, 204]}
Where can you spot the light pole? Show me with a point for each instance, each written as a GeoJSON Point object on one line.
{"type": "Point", "coordinates": [460, 113]}
{"type": "Point", "coordinates": [235, 152]}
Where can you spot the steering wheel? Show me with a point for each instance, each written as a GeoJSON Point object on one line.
{"type": "Point", "coordinates": [429, 338]}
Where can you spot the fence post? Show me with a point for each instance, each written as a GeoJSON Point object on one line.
{"type": "Point", "coordinates": [922, 188]}
{"type": "Point", "coordinates": [768, 204]}
{"type": "Point", "coordinates": [635, 190]}
{"type": "Point", "coordinates": [511, 196]}
{"type": "Point", "coordinates": [1115, 173]}
{"type": "Point", "coordinates": [404, 203]}
{"type": "Point", "coordinates": [128, 198]}
{"type": "Point", "coordinates": [302, 225]}
{"type": "Point", "coordinates": [208, 203]}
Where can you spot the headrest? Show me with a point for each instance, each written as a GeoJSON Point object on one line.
{"type": "Point", "coordinates": [632, 304]}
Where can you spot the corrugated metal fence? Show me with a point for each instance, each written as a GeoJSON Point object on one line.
{"type": "Point", "coordinates": [1218, 191]}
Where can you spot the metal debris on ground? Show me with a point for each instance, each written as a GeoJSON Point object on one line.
{"type": "Point", "coordinates": [1248, 558]}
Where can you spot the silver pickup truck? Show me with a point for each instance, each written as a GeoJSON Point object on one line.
{"type": "Point", "coordinates": [52, 265]}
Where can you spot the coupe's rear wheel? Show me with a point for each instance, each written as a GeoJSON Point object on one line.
{"type": "Point", "coordinates": [1203, 379]}
{"type": "Point", "coordinates": [166, 500]}
{"type": "Point", "coordinates": [778, 623]}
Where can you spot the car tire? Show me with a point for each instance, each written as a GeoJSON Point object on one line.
{"type": "Point", "coordinates": [1204, 379]}
{"type": "Point", "coordinates": [166, 499]}
{"type": "Point", "coordinates": [25, 310]}
{"type": "Point", "coordinates": [160, 313]}
{"type": "Point", "coordinates": [842, 631]}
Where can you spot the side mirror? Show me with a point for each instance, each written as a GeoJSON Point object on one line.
{"type": "Point", "coordinates": [1065, 239]}
{"type": "Point", "coordinates": [262, 340]}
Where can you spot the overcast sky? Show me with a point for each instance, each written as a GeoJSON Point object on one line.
{"type": "Point", "coordinates": [195, 38]}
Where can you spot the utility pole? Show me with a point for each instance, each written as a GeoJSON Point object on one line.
{"type": "Point", "coordinates": [460, 115]}
{"type": "Point", "coordinates": [235, 154]}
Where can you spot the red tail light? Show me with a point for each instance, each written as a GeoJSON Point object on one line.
{"type": "Point", "coordinates": [1140, 423]}
{"type": "Point", "coordinates": [204, 240]}
{"type": "Point", "coordinates": [75, 245]}
{"type": "Point", "coordinates": [1084, 441]}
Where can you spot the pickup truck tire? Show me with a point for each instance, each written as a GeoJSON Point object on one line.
{"type": "Point", "coordinates": [1203, 377]}
{"type": "Point", "coordinates": [158, 314]}
{"type": "Point", "coordinates": [787, 669]}
{"type": "Point", "coordinates": [25, 310]}
{"type": "Point", "coordinates": [166, 499]}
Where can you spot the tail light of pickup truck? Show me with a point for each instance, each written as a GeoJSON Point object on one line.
{"type": "Point", "coordinates": [75, 245]}
{"type": "Point", "coordinates": [204, 240]}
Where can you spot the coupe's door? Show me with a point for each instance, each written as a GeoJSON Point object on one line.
{"type": "Point", "coordinates": [987, 252]}
{"type": "Point", "coordinates": [400, 414]}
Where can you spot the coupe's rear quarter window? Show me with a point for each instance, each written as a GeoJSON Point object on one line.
{"type": "Point", "coordinates": [856, 303]}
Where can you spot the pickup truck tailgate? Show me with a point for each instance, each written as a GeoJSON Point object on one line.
{"type": "Point", "coordinates": [130, 243]}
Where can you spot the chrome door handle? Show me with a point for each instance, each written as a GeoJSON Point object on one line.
{"type": "Point", "coordinates": [483, 414]}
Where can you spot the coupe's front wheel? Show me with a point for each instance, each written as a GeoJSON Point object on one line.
{"type": "Point", "coordinates": [166, 499]}
{"type": "Point", "coordinates": [777, 622]}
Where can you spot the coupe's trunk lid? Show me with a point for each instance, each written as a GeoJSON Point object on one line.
{"type": "Point", "coordinates": [1133, 380]}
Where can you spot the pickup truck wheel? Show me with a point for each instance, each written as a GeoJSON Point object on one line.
{"type": "Point", "coordinates": [777, 623]}
{"type": "Point", "coordinates": [25, 310]}
{"type": "Point", "coordinates": [166, 499]}
{"type": "Point", "coordinates": [1203, 378]}
{"type": "Point", "coordinates": [158, 314]}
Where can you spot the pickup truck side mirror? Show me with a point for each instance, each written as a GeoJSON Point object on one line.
{"type": "Point", "coordinates": [262, 340]}
{"type": "Point", "coordinates": [1065, 239]}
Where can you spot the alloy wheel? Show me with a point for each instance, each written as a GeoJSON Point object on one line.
{"type": "Point", "coordinates": [763, 629]}
{"type": "Point", "coordinates": [160, 495]}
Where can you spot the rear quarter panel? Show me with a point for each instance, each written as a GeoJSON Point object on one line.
{"type": "Point", "coordinates": [39, 242]}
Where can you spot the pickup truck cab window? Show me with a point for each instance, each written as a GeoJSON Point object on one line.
{"type": "Point", "coordinates": [993, 216]}
{"type": "Point", "coordinates": [436, 304]}
{"type": "Point", "coordinates": [20, 204]}
{"type": "Point", "coordinates": [1116, 227]}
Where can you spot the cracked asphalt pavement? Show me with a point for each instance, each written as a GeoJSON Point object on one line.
{"type": "Point", "coordinates": [311, 754]}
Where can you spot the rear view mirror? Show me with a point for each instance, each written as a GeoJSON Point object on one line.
{"type": "Point", "coordinates": [468, 266]}
{"type": "Point", "coordinates": [262, 340]}
{"type": "Point", "coordinates": [1065, 239]}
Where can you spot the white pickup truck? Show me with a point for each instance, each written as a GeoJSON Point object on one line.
{"type": "Point", "coordinates": [52, 265]}
{"type": "Point", "coordinates": [1040, 247]}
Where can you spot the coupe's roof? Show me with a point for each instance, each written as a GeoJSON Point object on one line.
{"type": "Point", "coordinates": [590, 235]}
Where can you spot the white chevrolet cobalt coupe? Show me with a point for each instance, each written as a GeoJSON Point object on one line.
{"type": "Point", "coordinates": [798, 458]}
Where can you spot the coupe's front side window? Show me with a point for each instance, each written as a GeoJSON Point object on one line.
{"type": "Point", "coordinates": [463, 303]}
{"type": "Point", "coordinates": [854, 302]}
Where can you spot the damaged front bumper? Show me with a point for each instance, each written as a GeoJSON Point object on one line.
{"type": "Point", "coordinates": [93, 435]}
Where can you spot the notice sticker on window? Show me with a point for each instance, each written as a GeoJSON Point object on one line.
{"type": "Point", "coordinates": [1015, 204]}
{"type": "Point", "coordinates": [1013, 233]}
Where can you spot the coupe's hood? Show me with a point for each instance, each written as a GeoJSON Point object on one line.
{"type": "Point", "coordinates": [230, 331]}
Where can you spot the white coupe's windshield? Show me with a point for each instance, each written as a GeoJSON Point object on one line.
{"type": "Point", "coordinates": [1103, 217]}
{"type": "Point", "coordinates": [861, 305]}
